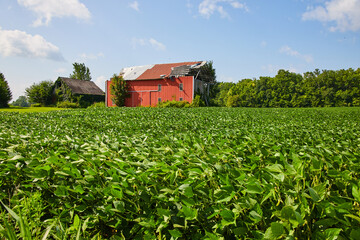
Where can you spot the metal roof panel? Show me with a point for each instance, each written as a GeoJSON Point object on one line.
{"type": "Point", "coordinates": [132, 73]}
{"type": "Point", "coordinates": [159, 71]}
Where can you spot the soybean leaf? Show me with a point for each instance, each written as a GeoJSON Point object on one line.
{"type": "Point", "coordinates": [275, 231]}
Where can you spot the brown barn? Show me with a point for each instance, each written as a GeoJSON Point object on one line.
{"type": "Point", "coordinates": [75, 90]}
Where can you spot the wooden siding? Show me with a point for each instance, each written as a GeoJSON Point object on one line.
{"type": "Point", "coordinates": [145, 92]}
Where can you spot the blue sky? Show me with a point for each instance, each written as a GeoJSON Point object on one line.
{"type": "Point", "coordinates": [40, 39]}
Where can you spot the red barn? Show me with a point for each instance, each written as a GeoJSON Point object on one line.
{"type": "Point", "coordinates": [151, 84]}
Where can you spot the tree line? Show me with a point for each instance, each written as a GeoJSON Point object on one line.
{"type": "Point", "coordinates": [326, 88]}
{"type": "Point", "coordinates": [39, 93]}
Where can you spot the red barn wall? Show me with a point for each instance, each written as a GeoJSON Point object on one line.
{"type": "Point", "coordinates": [145, 92]}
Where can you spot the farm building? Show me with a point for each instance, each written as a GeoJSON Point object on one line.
{"type": "Point", "coordinates": [75, 90]}
{"type": "Point", "coordinates": [151, 84]}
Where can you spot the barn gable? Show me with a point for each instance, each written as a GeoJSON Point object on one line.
{"type": "Point", "coordinates": [80, 87]}
{"type": "Point", "coordinates": [75, 90]}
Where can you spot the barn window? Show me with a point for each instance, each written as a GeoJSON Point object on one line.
{"type": "Point", "coordinates": [181, 87]}
{"type": "Point", "coordinates": [181, 99]}
{"type": "Point", "coordinates": [159, 99]}
{"type": "Point", "coordinates": [159, 87]}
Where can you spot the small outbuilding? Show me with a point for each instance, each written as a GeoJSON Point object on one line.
{"type": "Point", "coordinates": [75, 90]}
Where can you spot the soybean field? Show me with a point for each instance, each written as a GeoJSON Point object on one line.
{"type": "Point", "coordinates": [195, 173]}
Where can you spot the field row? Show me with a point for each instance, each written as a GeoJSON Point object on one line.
{"type": "Point", "coordinates": [199, 173]}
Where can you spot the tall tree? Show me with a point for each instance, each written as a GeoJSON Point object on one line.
{"type": "Point", "coordinates": [207, 74]}
{"type": "Point", "coordinates": [5, 93]}
{"type": "Point", "coordinates": [119, 90]}
{"type": "Point", "coordinates": [40, 93]}
{"type": "Point", "coordinates": [80, 72]}
{"type": "Point", "coordinates": [21, 102]}
{"type": "Point", "coordinates": [221, 89]}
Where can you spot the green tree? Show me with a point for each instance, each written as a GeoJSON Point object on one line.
{"type": "Point", "coordinates": [207, 74]}
{"type": "Point", "coordinates": [5, 93]}
{"type": "Point", "coordinates": [119, 90]}
{"type": "Point", "coordinates": [244, 91]}
{"type": "Point", "coordinates": [232, 101]}
{"type": "Point", "coordinates": [80, 72]}
{"type": "Point", "coordinates": [40, 93]}
{"type": "Point", "coordinates": [221, 89]}
{"type": "Point", "coordinates": [21, 102]}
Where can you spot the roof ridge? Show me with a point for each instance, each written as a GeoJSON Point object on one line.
{"type": "Point", "coordinates": [143, 65]}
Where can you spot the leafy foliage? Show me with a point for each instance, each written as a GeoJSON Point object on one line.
{"type": "Point", "coordinates": [119, 90]}
{"type": "Point", "coordinates": [286, 89]}
{"type": "Point", "coordinates": [190, 173]}
{"type": "Point", "coordinates": [220, 93]}
{"type": "Point", "coordinates": [67, 104]}
{"type": "Point", "coordinates": [21, 102]}
{"type": "Point", "coordinates": [174, 104]}
{"type": "Point", "coordinates": [197, 101]}
{"type": "Point", "coordinates": [36, 105]}
{"type": "Point", "coordinates": [207, 72]}
{"type": "Point", "coordinates": [98, 105]}
{"type": "Point", "coordinates": [40, 93]}
{"type": "Point", "coordinates": [5, 92]}
{"type": "Point", "coordinates": [80, 72]}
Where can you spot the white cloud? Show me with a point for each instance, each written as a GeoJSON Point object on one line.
{"type": "Point", "coordinates": [21, 44]}
{"type": "Point", "coordinates": [226, 79]}
{"type": "Point", "coordinates": [90, 56]}
{"type": "Point", "coordinates": [345, 14]}
{"type": "Point", "coordinates": [273, 69]}
{"type": "Point", "coordinates": [293, 69]}
{"type": "Point", "coordinates": [135, 5]}
{"type": "Point", "coordinates": [289, 51]}
{"type": "Point", "coordinates": [148, 42]}
{"type": "Point", "coordinates": [209, 7]}
{"type": "Point", "coordinates": [100, 82]}
{"type": "Point", "coordinates": [235, 4]}
{"type": "Point", "coordinates": [48, 9]}
{"type": "Point", "coordinates": [269, 68]}
{"type": "Point", "coordinates": [263, 43]}
{"type": "Point", "coordinates": [189, 6]}
{"type": "Point", "coordinates": [157, 45]}
{"type": "Point", "coordinates": [138, 42]}
{"type": "Point", "coordinates": [60, 70]}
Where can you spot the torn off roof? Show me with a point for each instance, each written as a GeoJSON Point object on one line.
{"type": "Point", "coordinates": [132, 73]}
{"type": "Point", "coordinates": [159, 71]}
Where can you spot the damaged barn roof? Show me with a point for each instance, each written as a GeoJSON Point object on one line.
{"type": "Point", "coordinates": [159, 71]}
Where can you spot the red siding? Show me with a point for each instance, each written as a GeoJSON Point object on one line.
{"type": "Point", "coordinates": [145, 92]}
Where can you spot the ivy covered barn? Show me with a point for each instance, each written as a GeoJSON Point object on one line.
{"type": "Point", "coordinates": [151, 84]}
{"type": "Point", "coordinates": [75, 90]}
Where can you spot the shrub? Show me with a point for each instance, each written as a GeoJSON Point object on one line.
{"type": "Point", "coordinates": [233, 101]}
{"type": "Point", "coordinates": [36, 105]}
{"type": "Point", "coordinates": [66, 104]}
{"type": "Point", "coordinates": [197, 102]}
{"type": "Point", "coordinates": [40, 93]}
{"type": "Point", "coordinates": [97, 105]}
{"type": "Point", "coordinates": [173, 104]}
